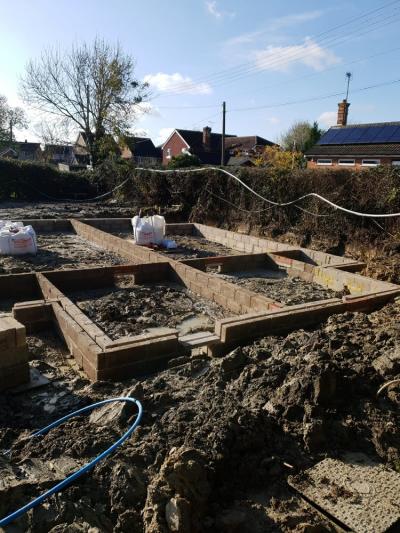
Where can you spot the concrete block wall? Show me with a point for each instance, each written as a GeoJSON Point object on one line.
{"type": "Point", "coordinates": [94, 351]}
{"type": "Point", "coordinates": [228, 295]}
{"type": "Point", "coordinates": [121, 247]}
{"type": "Point", "coordinates": [255, 325]}
{"type": "Point", "coordinates": [251, 244]}
{"type": "Point", "coordinates": [14, 367]}
{"type": "Point", "coordinates": [233, 263]}
{"type": "Point", "coordinates": [34, 315]}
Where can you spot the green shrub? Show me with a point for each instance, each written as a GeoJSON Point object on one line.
{"type": "Point", "coordinates": [22, 180]}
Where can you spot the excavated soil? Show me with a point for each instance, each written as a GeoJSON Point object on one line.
{"type": "Point", "coordinates": [59, 251]}
{"type": "Point", "coordinates": [279, 287]}
{"type": "Point", "coordinates": [218, 438]}
{"type": "Point", "coordinates": [137, 309]}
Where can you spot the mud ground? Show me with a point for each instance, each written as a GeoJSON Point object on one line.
{"type": "Point", "coordinates": [189, 247]}
{"type": "Point", "coordinates": [137, 309]}
{"type": "Point", "coordinates": [59, 251]}
{"type": "Point", "coordinates": [278, 286]}
{"type": "Point", "coordinates": [218, 438]}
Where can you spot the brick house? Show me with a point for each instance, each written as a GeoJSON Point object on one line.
{"type": "Point", "coordinates": [204, 144]}
{"type": "Point", "coordinates": [356, 145]}
{"type": "Point", "coordinates": [207, 146]}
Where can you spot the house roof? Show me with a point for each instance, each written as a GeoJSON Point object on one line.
{"type": "Point", "coordinates": [195, 140]}
{"type": "Point", "coordinates": [27, 146]}
{"type": "Point", "coordinates": [142, 147]}
{"type": "Point", "coordinates": [355, 150]}
{"type": "Point", "coordinates": [247, 142]}
{"type": "Point", "coordinates": [58, 148]}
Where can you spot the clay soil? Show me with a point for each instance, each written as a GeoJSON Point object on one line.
{"type": "Point", "coordinates": [281, 288]}
{"type": "Point", "coordinates": [59, 251]}
{"type": "Point", "coordinates": [137, 309]}
{"type": "Point", "coordinates": [218, 439]}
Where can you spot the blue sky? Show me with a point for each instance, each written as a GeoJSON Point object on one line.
{"type": "Point", "coordinates": [252, 54]}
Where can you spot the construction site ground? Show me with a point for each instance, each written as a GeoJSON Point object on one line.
{"type": "Point", "coordinates": [279, 286]}
{"type": "Point", "coordinates": [142, 308]}
{"type": "Point", "coordinates": [190, 247]}
{"type": "Point", "coordinates": [222, 434]}
{"type": "Point", "coordinates": [58, 251]}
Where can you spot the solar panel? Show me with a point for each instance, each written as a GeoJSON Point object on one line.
{"type": "Point", "coordinates": [354, 135]}
{"type": "Point", "coordinates": [327, 137]}
{"type": "Point", "coordinates": [362, 135]}
{"type": "Point", "coordinates": [395, 137]}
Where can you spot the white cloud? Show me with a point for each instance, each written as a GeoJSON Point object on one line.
{"type": "Point", "coordinates": [273, 120]}
{"type": "Point", "coordinates": [281, 58]}
{"type": "Point", "coordinates": [327, 118]}
{"type": "Point", "coordinates": [176, 83]}
{"type": "Point", "coordinates": [212, 9]}
{"type": "Point", "coordinates": [292, 20]}
{"type": "Point", "coordinates": [274, 25]}
{"type": "Point", "coordinates": [163, 135]}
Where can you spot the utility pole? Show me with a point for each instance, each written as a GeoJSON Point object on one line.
{"type": "Point", "coordinates": [223, 134]}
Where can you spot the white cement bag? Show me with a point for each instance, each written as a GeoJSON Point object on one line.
{"type": "Point", "coordinates": [158, 223]}
{"type": "Point", "coordinates": [142, 231]}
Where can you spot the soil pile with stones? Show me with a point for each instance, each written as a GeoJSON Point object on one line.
{"type": "Point", "coordinates": [212, 450]}
{"type": "Point", "coordinates": [288, 291]}
{"type": "Point", "coordinates": [131, 311]}
{"type": "Point", "coordinates": [59, 251]}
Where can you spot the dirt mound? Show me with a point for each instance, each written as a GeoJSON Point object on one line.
{"type": "Point", "coordinates": [219, 436]}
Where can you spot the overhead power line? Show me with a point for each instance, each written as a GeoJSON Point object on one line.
{"type": "Point", "coordinates": [244, 67]}
{"type": "Point", "coordinates": [292, 80]}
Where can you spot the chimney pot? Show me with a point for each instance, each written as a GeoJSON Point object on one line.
{"type": "Point", "coordinates": [343, 111]}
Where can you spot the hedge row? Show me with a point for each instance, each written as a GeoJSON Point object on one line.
{"type": "Point", "coordinates": [210, 196]}
{"type": "Point", "coordinates": [21, 180]}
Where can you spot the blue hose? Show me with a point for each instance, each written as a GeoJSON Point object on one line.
{"type": "Point", "coordinates": [16, 514]}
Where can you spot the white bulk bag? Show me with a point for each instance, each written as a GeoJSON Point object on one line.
{"type": "Point", "coordinates": [142, 231]}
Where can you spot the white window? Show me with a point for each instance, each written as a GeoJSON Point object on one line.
{"type": "Point", "coordinates": [325, 162]}
{"type": "Point", "coordinates": [396, 163]}
{"type": "Point", "coordinates": [370, 162]}
{"type": "Point", "coordinates": [347, 162]}
{"type": "Point", "coordinates": [168, 153]}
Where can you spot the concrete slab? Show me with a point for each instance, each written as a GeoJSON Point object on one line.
{"type": "Point", "coordinates": [363, 495]}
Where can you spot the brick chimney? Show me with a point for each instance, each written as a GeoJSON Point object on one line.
{"type": "Point", "coordinates": [207, 137]}
{"type": "Point", "coordinates": [343, 111]}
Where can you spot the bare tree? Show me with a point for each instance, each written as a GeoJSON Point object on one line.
{"type": "Point", "coordinates": [93, 87]}
{"type": "Point", "coordinates": [11, 118]}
